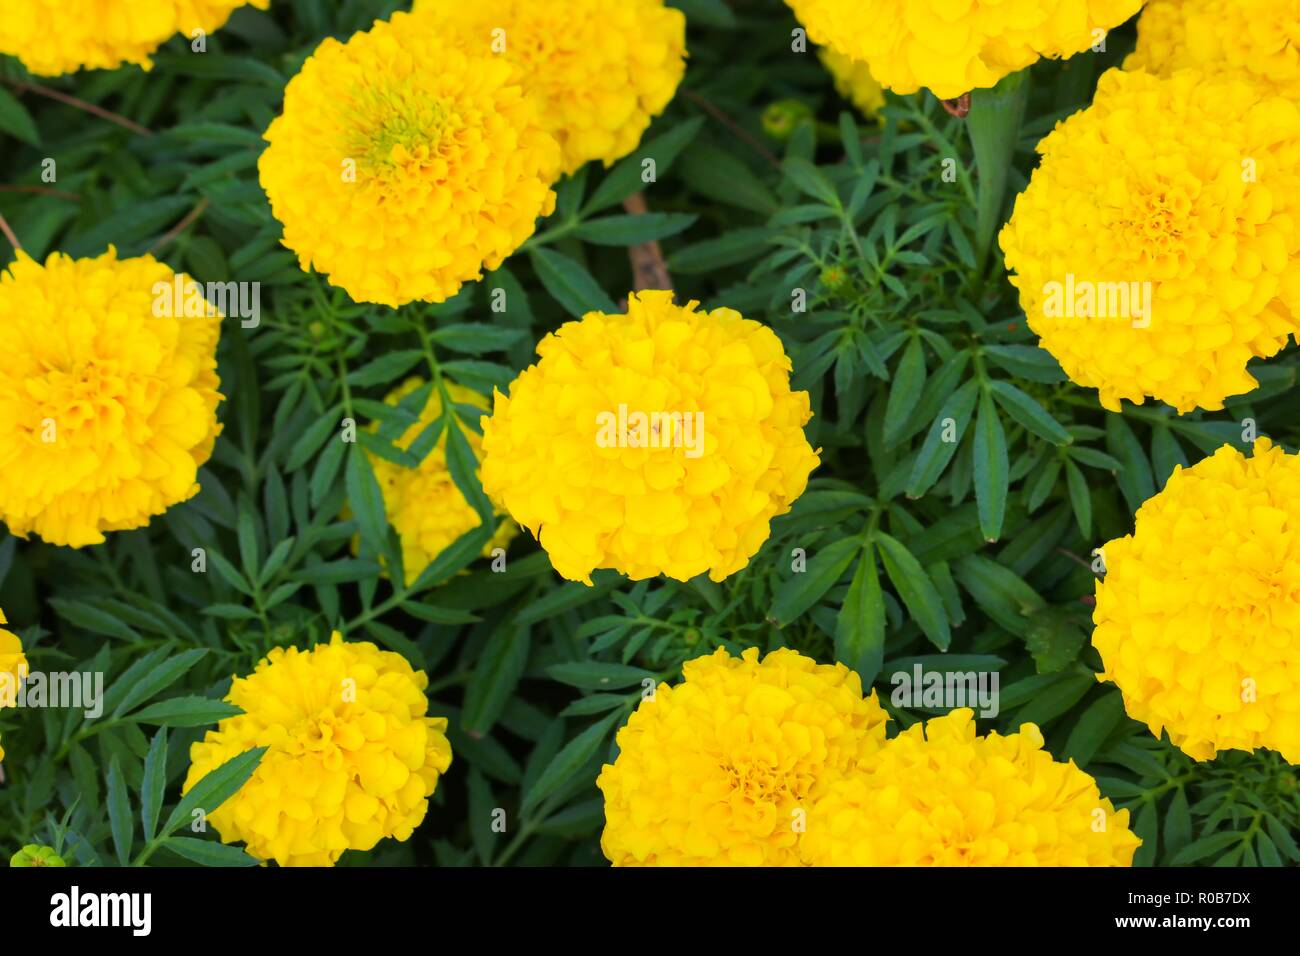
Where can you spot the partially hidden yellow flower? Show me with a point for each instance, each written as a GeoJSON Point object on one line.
{"type": "Point", "coordinates": [600, 70]}
{"type": "Point", "coordinates": [424, 504]}
{"type": "Point", "coordinates": [404, 165]}
{"type": "Point", "coordinates": [954, 46]}
{"type": "Point", "coordinates": [352, 757]}
{"type": "Point", "coordinates": [723, 769]}
{"type": "Point", "coordinates": [52, 37]}
{"type": "Point", "coordinates": [854, 82]}
{"type": "Point", "coordinates": [1157, 248]}
{"type": "Point", "coordinates": [939, 795]}
{"type": "Point", "coordinates": [662, 441]}
{"type": "Point", "coordinates": [13, 668]}
{"type": "Point", "coordinates": [1198, 616]}
{"type": "Point", "coordinates": [108, 394]}
{"type": "Point", "coordinates": [1260, 38]}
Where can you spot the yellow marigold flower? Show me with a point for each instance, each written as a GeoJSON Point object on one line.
{"type": "Point", "coordinates": [954, 46]}
{"type": "Point", "coordinates": [1157, 248]}
{"type": "Point", "coordinates": [424, 504]}
{"type": "Point", "coordinates": [658, 442]}
{"type": "Point", "coordinates": [854, 82]}
{"type": "Point", "coordinates": [938, 795]}
{"type": "Point", "coordinates": [600, 70]}
{"type": "Point", "coordinates": [62, 36]}
{"type": "Point", "coordinates": [108, 394]}
{"type": "Point", "coordinates": [13, 667]}
{"type": "Point", "coordinates": [351, 756]}
{"type": "Point", "coordinates": [1198, 617]}
{"type": "Point", "coordinates": [431, 157]}
{"type": "Point", "coordinates": [722, 769]}
{"type": "Point", "coordinates": [1258, 37]}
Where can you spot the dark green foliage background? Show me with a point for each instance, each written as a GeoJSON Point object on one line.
{"type": "Point", "coordinates": [964, 556]}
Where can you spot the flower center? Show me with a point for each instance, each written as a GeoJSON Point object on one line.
{"type": "Point", "coordinates": [401, 133]}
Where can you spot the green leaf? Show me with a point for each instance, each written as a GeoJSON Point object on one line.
{"type": "Point", "coordinates": [215, 788]}
{"type": "Point", "coordinates": [626, 177]}
{"type": "Point", "coordinates": [596, 675]}
{"type": "Point", "coordinates": [570, 284]}
{"type": "Point", "coordinates": [185, 712]}
{"type": "Point", "coordinates": [916, 590]}
{"type": "Point", "coordinates": [632, 230]}
{"type": "Point", "coordinates": [804, 588]}
{"type": "Point", "coordinates": [1092, 728]}
{"type": "Point", "coordinates": [811, 181]}
{"type": "Point", "coordinates": [16, 121]}
{"type": "Point", "coordinates": [119, 813]}
{"type": "Point", "coordinates": [905, 390]}
{"type": "Point", "coordinates": [572, 758]}
{"type": "Point", "coordinates": [1080, 498]}
{"type": "Point", "coordinates": [1029, 413]}
{"type": "Point", "coordinates": [386, 369]}
{"type": "Point", "coordinates": [155, 781]}
{"type": "Point", "coordinates": [209, 852]}
{"type": "Point", "coordinates": [158, 679]}
{"type": "Point", "coordinates": [860, 626]}
{"type": "Point", "coordinates": [495, 677]}
{"type": "Point", "coordinates": [367, 501]}
{"type": "Point", "coordinates": [992, 470]}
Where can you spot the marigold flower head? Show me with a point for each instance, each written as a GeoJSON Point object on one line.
{"type": "Point", "coordinates": [51, 37]}
{"type": "Point", "coordinates": [938, 795]}
{"type": "Point", "coordinates": [1198, 616]}
{"type": "Point", "coordinates": [108, 394]}
{"type": "Point", "coordinates": [404, 165]}
{"type": "Point", "coordinates": [351, 756]}
{"type": "Point", "coordinates": [13, 667]}
{"type": "Point", "coordinates": [854, 82]}
{"type": "Point", "coordinates": [722, 769]}
{"type": "Point", "coordinates": [599, 70]}
{"type": "Point", "coordinates": [1260, 38]}
{"type": "Point", "coordinates": [1157, 248]}
{"type": "Point", "coordinates": [587, 454]}
{"type": "Point", "coordinates": [954, 46]}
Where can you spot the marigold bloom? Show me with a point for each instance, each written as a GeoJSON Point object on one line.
{"type": "Point", "coordinates": [586, 454]}
{"type": "Point", "coordinates": [722, 769]}
{"type": "Point", "coordinates": [1198, 617]}
{"type": "Point", "coordinates": [600, 70]}
{"type": "Point", "coordinates": [1157, 248]}
{"type": "Point", "coordinates": [62, 36]}
{"type": "Point", "coordinates": [403, 165]}
{"type": "Point", "coordinates": [108, 394]}
{"type": "Point", "coordinates": [854, 82]}
{"type": "Point", "coordinates": [954, 46]}
{"type": "Point", "coordinates": [1260, 38]}
{"type": "Point", "coordinates": [13, 667]}
{"type": "Point", "coordinates": [352, 757]}
{"type": "Point", "coordinates": [938, 795]}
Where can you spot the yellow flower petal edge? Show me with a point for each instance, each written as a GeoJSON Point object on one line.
{"type": "Point", "coordinates": [939, 795]}
{"type": "Point", "coordinates": [404, 166]}
{"type": "Point", "coordinates": [1198, 616]}
{"type": "Point", "coordinates": [574, 454]}
{"type": "Point", "coordinates": [108, 402]}
{"type": "Point", "coordinates": [52, 37]}
{"type": "Point", "coordinates": [600, 70]}
{"type": "Point", "coordinates": [722, 769]}
{"type": "Point", "coordinates": [351, 756]}
{"type": "Point", "coordinates": [1157, 248]}
{"type": "Point", "coordinates": [13, 667]}
{"type": "Point", "coordinates": [854, 82]}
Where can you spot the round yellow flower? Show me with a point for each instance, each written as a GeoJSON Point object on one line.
{"type": "Point", "coordinates": [13, 668]}
{"type": "Point", "coordinates": [1157, 248]}
{"type": "Point", "coordinates": [52, 37]}
{"type": "Point", "coordinates": [722, 769]}
{"type": "Point", "coordinates": [1258, 37]}
{"type": "Point", "coordinates": [854, 82]}
{"type": "Point", "coordinates": [351, 759]}
{"type": "Point", "coordinates": [424, 504]}
{"type": "Point", "coordinates": [954, 46]}
{"type": "Point", "coordinates": [938, 795]}
{"type": "Point", "coordinates": [108, 394]}
{"type": "Point", "coordinates": [1198, 617]}
{"type": "Point", "coordinates": [600, 70]}
{"type": "Point", "coordinates": [403, 165]}
{"type": "Point", "coordinates": [658, 442]}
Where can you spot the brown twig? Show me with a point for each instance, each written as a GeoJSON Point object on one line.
{"type": "Point", "coordinates": [733, 126]}
{"type": "Point", "coordinates": [649, 270]}
{"type": "Point", "coordinates": [181, 226]}
{"type": "Point", "coordinates": [80, 104]}
{"type": "Point", "coordinates": [9, 234]}
{"type": "Point", "coordinates": [40, 191]}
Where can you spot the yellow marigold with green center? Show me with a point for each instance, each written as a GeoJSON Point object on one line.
{"type": "Point", "coordinates": [723, 769]}
{"type": "Point", "coordinates": [954, 46]}
{"type": "Point", "coordinates": [1260, 38]}
{"type": "Point", "coordinates": [662, 441]}
{"type": "Point", "coordinates": [854, 82]}
{"type": "Point", "coordinates": [404, 165]}
{"type": "Point", "coordinates": [939, 795]}
{"type": "Point", "coordinates": [52, 37]}
{"type": "Point", "coordinates": [13, 667]}
{"type": "Point", "coordinates": [108, 394]}
{"type": "Point", "coordinates": [600, 70]}
{"type": "Point", "coordinates": [352, 757]}
{"type": "Point", "coordinates": [1157, 248]}
{"type": "Point", "coordinates": [424, 504]}
{"type": "Point", "coordinates": [1198, 616]}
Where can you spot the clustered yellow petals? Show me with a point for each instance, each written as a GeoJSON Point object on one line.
{"type": "Point", "coordinates": [52, 37]}
{"type": "Point", "coordinates": [13, 667]}
{"type": "Point", "coordinates": [351, 758]}
{"type": "Point", "coordinates": [403, 165]}
{"type": "Point", "coordinates": [1198, 617]}
{"type": "Point", "coordinates": [424, 504]}
{"type": "Point", "coordinates": [954, 46]}
{"type": "Point", "coordinates": [723, 768]}
{"type": "Point", "coordinates": [1260, 38]}
{"type": "Point", "coordinates": [600, 70]}
{"type": "Point", "coordinates": [567, 456]}
{"type": "Point", "coordinates": [1157, 248]}
{"type": "Point", "coordinates": [939, 795]}
{"type": "Point", "coordinates": [854, 81]}
{"type": "Point", "coordinates": [107, 407]}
